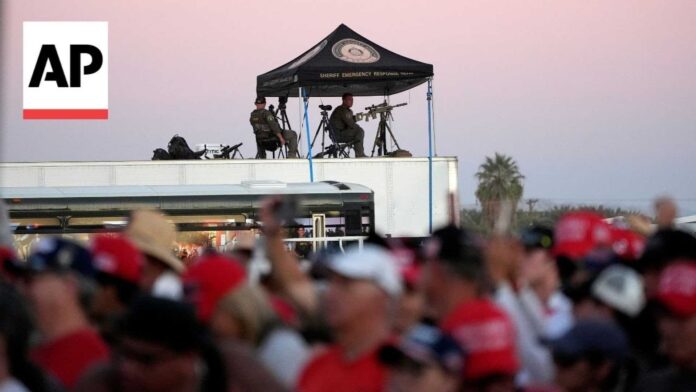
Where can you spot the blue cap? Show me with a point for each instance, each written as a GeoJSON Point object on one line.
{"type": "Point", "coordinates": [425, 344]}
{"type": "Point", "coordinates": [596, 337]}
{"type": "Point", "coordinates": [59, 254]}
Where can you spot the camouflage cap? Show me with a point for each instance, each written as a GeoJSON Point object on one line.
{"type": "Point", "coordinates": [260, 100]}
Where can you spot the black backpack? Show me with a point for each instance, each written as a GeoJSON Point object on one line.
{"type": "Point", "coordinates": [179, 149]}
{"type": "Point", "coordinates": [160, 154]}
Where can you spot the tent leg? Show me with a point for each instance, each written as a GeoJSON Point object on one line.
{"type": "Point", "coordinates": [432, 105]}
{"type": "Point", "coordinates": [309, 140]}
{"type": "Point", "coordinates": [430, 155]}
{"type": "Point", "coordinates": [300, 119]}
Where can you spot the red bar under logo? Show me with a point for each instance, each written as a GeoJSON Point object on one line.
{"type": "Point", "coordinates": [66, 114]}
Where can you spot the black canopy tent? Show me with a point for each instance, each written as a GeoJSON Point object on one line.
{"type": "Point", "coordinates": [344, 61]}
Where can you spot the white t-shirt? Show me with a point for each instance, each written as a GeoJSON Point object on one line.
{"type": "Point", "coordinates": [12, 385]}
{"type": "Point", "coordinates": [535, 358]}
{"type": "Point", "coordinates": [560, 315]}
{"type": "Point", "coordinates": [168, 285]}
{"type": "Point", "coordinates": [284, 353]}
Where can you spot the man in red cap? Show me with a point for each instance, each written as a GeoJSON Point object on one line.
{"type": "Point", "coordinates": [662, 248]}
{"type": "Point", "coordinates": [453, 279]}
{"type": "Point", "coordinates": [118, 264]}
{"type": "Point", "coordinates": [676, 294]}
{"type": "Point", "coordinates": [578, 233]}
{"type": "Point", "coordinates": [59, 274]}
{"type": "Point", "coordinates": [581, 236]}
{"type": "Point", "coordinates": [208, 280]}
{"type": "Point", "coordinates": [627, 244]}
{"type": "Point", "coordinates": [10, 266]}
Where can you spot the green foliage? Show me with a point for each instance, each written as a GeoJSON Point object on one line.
{"type": "Point", "coordinates": [473, 219]}
{"type": "Point", "coordinates": [499, 180]}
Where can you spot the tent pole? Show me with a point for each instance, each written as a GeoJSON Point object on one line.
{"type": "Point", "coordinates": [433, 107]}
{"type": "Point", "coordinates": [300, 119]}
{"type": "Point", "coordinates": [309, 139]}
{"type": "Point", "coordinates": [430, 155]}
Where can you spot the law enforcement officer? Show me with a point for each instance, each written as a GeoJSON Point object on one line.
{"type": "Point", "coordinates": [346, 130]}
{"type": "Point", "coordinates": [265, 127]}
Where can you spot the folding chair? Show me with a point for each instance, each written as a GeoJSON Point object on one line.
{"type": "Point", "coordinates": [271, 143]}
{"type": "Point", "coordinates": [336, 149]}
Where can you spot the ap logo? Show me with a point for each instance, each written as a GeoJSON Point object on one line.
{"type": "Point", "coordinates": [66, 70]}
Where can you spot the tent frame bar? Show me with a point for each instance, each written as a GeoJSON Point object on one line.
{"type": "Point", "coordinates": [431, 137]}
{"type": "Point", "coordinates": [305, 100]}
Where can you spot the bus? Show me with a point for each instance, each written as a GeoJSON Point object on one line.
{"type": "Point", "coordinates": [205, 215]}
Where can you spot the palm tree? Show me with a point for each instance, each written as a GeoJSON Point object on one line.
{"type": "Point", "coordinates": [499, 180]}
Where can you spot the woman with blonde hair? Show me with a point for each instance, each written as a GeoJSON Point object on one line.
{"type": "Point", "coordinates": [246, 314]}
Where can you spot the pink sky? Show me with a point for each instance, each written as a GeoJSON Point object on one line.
{"type": "Point", "coordinates": [595, 99]}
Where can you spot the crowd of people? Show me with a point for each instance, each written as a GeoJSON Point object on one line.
{"type": "Point", "coordinates": [584, 306]}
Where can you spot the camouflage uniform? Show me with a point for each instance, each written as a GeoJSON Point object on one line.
{"type": "Point", "coordinates": [346, 130]}
{"type": "Point", "coordinates": [265, 127]}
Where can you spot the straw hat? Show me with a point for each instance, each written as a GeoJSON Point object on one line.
{"type": "Point", "coordinates": [155, 236]}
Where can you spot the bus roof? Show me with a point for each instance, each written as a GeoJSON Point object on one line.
{"type": "Point", "coordinates": [250, 188]}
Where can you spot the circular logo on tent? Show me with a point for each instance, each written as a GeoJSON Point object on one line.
{"type": "Point", "coordinates": [308, 55]}
{"type": "Point", "coordinates": [354, 51]}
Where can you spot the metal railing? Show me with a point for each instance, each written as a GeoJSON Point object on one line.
{"type": "Point", "coordinates": [320, 242]}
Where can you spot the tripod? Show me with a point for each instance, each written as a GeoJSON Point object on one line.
{"type": "Point", "coordinates": [230, 152]}
{"type": "Point", "coordinates": [381, 137]}
{"type": "Point", "coordinates": [333, 150]}
{"type": "Point", "coordinates": [280, 115]}
{"type": "Point", "coordinates": [227, 152]}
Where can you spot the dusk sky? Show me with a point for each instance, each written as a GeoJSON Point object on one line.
{"type": "Point", "coordinates": [596, 100]}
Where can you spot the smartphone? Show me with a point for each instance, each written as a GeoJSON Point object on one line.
{"type": "Point", "coordinates": [285, 211]}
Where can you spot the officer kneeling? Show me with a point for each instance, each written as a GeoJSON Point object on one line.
{"type": "Point", "coordinates": [266, 128]}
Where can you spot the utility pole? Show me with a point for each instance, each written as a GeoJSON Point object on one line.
{"type": "Point", "coordinates": [530, 204]}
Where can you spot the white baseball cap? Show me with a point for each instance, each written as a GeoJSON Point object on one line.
{"type": "Point", "coordinates": [372, 263]}
{"type": "Point", "coordinates": [620, 288]}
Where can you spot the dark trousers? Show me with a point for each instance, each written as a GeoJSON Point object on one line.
{"type": "Point", "coordinates": [355, 136]}
{"type": "Point", "coordinates": [266, 139]}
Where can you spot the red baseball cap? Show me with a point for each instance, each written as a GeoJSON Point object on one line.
{"type": "Point", "coordinates": [406, 260]}
{"type": "Point", "coordinates": [677, 288]}
{"type": "Point", "coordinates": [627, 244]}
{"type": "Point", "coordinates": [578, 233]}
{"type": "Point", "coordinates": [487, 335]}
{"type": "Point", "coordinates": [411, 273]}
{"type": "Point", "coordinates": [208, 280]}
{"type": "Point", "coordinates": [118, 257]}
{"type": "Point", "coordinates": [7, 253]}
{"type": "Point", "coordinates": [10, 266]}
